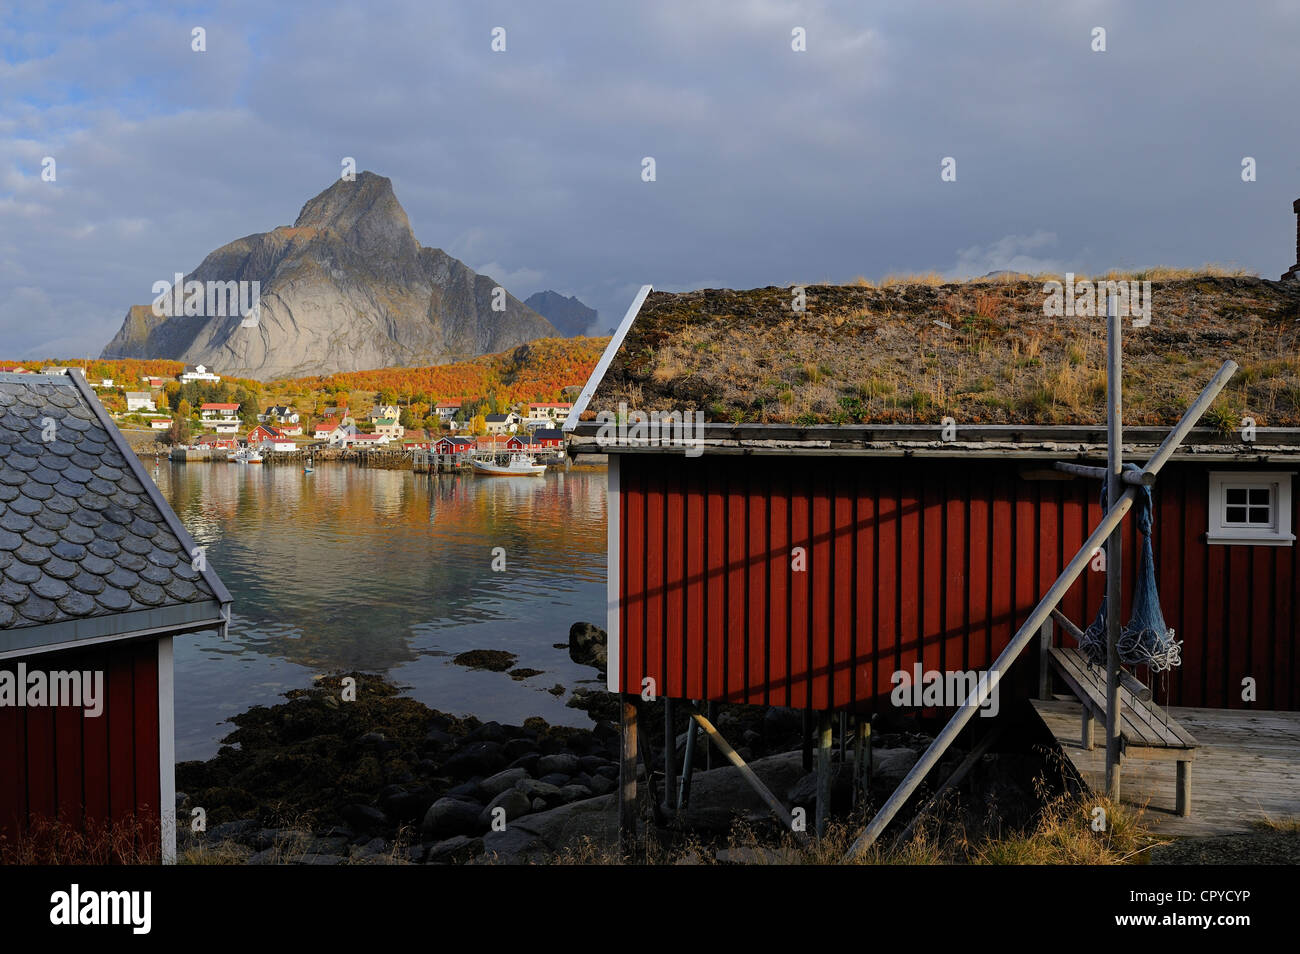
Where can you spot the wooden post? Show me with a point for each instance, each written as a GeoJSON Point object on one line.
{"type": "Point", "coordinates": [823, 771]}
{"type": "Point", "coordinates": [1044, 659]}
{"type": "Point", "coordinates": [807, 740]}
{"type": "Point", "coordinates": [1114, 561]}
{"type": "Point", "coordinates": [1183, 800]}
{"type": "Point", "coordinates": [746, 772]}
{"type": "Point", "coordinates": [861, 760]}
{"type": "Point", "coordinates": [627, 778]}
{"type": "Point", "coordinates": [1086, 736]}
{"type": "Point", "coordinates": [711, 713]}
{"type": "Point", "coordinates": [670, 756]}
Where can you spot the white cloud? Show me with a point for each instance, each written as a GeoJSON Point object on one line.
{"type": "Point", "coordinates": [1012, 253]}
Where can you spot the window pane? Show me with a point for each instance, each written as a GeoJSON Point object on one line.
{"type": "Point", "coordinates": [1236, 495]}
{"type": "Point", "coordinates": [1259, 496]}
{"type": "Point", "coordinates": [1259, 515]}
{"type": "Point", "coordinates": [1236, 515]}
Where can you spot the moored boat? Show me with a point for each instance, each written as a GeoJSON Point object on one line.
{"type": "Point", "coordinates": [519, 465]}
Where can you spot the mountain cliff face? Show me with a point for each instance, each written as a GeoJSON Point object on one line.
{"type": "Point", "coordinates": [569, 315]}
{"type": "Point", "coordinates": [346, 288]}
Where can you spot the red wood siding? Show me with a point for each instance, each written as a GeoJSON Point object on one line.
{"type": "Point", "coordinates": [914, 561]}
{"type": "Point", "coordinates": [85, 771]}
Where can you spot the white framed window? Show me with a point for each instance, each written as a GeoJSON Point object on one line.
{"type": "Point", "coordinates": [1251, 508]}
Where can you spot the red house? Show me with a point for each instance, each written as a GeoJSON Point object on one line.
{"type": "Point", "coordinates": [821, 533]}
{"type": "Point", "coordinates": [455, 445]}
{"type": "Point", "coordinates": [99, 576]}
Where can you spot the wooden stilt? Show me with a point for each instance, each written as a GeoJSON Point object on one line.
{"type": "Point", "coordinates": [1183, 798]}
{"type": "Point", "coordinates": [627, 778]}
{"type": "Point", "coordinates": [1044, 659]}
{"type": "Point", "coordinates": [711, 713]}
{"type": "Point", "coordinates": [823, 771]}
{"type": "Point", "coordinates": [960, 773]}
{"type": "Point", "coordinates": [746, 772]}
{"type": "Point", "coordinates": [861, 760]}
{"type": "Point", "coordinates": [670, 756]}
{"type": "Point", "coordinates": [1088, 736]}
{"type": "Point", "coordinates": [807, 740]}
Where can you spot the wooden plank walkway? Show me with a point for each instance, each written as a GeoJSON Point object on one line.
{"type": "Point", "coordinates": [1247, 768]}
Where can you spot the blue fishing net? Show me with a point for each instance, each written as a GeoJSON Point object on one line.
{"type": "Point", "coordinates": [1147, 640]}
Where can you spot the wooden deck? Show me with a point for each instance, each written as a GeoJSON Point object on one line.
{"type": "Point", "coordinates": [1247, 768]}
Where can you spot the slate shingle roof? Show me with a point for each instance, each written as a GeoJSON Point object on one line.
{"type": "Point", "coordinates": [85, 538]}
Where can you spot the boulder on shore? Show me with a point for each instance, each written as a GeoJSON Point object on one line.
{"type": "Point", "coordinates": [587, 645]}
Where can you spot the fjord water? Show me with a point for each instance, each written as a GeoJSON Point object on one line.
{"type": "Point", "coordinates": [387, 571]}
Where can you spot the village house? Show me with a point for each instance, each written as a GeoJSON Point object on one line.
{"type": "Point", "coordinates": [268, 437]}
{"type": "Point", "coordinates": [547, 414]}
{"type": "Point", "coordinates": [161, 423]}
{"type": "Point", "coordinates": [341, 434]}
{"type": "Point", "coordinates": [382, 411]}
{"type": "Point", "coordinates": [279, 414]}
{"type": "Point", "coordinates": [198, 373]}
{"type": "Point", "coordinates": [358, 439]}
{"type": "Point", "coordinates": [153, 381]}
{"type": "Point", "coordinates": [93, 597]}
{"type": "Point", "coordinates": [13, 369]}
{"type": "Point", "coordinates": [216, 442]}
{"type": "Point", "coordinates": [103, 383]}
{"type": "Point", "coordinates": [222, 418]}
{"type": "Point", "coordinates": [541, 441]}
{"type": "Point", "coordinates": [446, 410]}
{"type": "Point", "coordinates": [293, 429]}
{"type": "Point", "coordinates": [389, 427]}
{"type": "Point", "coordinates": [325, 430]}
{"type": "Point", "coordinates": [502, 423]}
{"type": "Point", "coordinates": [139, 401]}
{"type": "Point", "coordinates": [54, 369]}
{"type": "Point", "coordinates": [455, 446]}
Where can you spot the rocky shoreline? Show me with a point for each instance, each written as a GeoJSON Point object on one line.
{"type": "Point", "coordinates": [349, 771]}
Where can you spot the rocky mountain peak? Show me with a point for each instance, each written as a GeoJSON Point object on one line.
{"type": "Point", "coordinates": [364, 212]}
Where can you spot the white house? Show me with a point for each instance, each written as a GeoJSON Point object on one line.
{"type": "Point", "coordinates": [198, 373]}
{"type": "Point", "coordinates": [161, 423]}
{"type": "Point", "coordinates": [140, 401]}
{"type": "Point", "coordinates": [342, 434]}
{"type": "Point", "coordinates": [546, 414]}
{"type": "Point", "coordinates": [222, 418]}
{"type": "Point", "coordinates": [502, 423]}
{"type": "Point", "coordinates": [363, 440]}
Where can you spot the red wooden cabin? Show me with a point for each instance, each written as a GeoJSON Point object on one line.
{"type": "Point", "coordinates": [97, 576]}
{"type": "Point", "coordinates": [800, 564]}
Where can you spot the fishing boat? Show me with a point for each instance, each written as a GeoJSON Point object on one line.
{"type": "Point", "coordinates": [519, 465]}
{"type": "Point", "coordinates": [307, 467]}
{"type": "Point", "coordinates": [246, 456]}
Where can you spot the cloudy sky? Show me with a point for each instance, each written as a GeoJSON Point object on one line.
{"type": "Point", "coordinates": [772, 166]}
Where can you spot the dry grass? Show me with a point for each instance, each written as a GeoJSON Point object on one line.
{"type": "Point", "coordinates": [1286, 823]}
{"type": "Point", "coordinates": [912, 349]}
{"type": "Point", "coordinates": [47, 842]}
{"type": "Point", "coordinates": [1062, 834]}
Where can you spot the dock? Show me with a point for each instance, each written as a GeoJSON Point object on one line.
{"type": "Point", "coordinates": [1247, 768]}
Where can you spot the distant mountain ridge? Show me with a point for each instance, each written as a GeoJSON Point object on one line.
{"type": "Point", "coordinates": [346, 287]}
{"type": "Point", "coordinates": [569, 315]}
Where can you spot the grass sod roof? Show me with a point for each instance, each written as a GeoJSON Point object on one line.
{"type": "Point", "coordinates": [981, 352]}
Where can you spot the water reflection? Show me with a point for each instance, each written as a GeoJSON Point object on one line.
{"type": "Point", "coordinates": [349, 568]}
